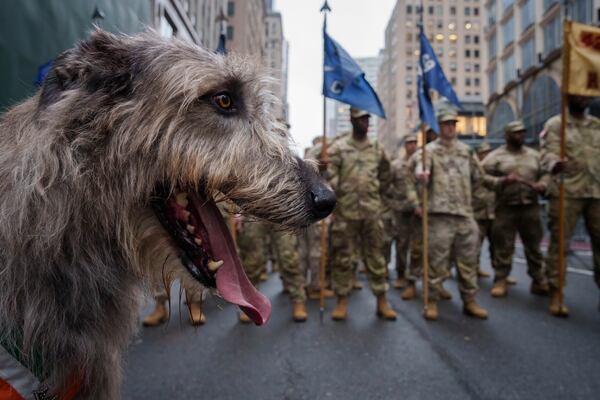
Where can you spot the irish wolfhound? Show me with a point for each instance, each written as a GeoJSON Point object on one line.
{"type": "Point", "coordinates": [108, 172]}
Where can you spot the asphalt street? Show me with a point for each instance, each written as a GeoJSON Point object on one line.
{"type": "Point", "coordinates": [520, 352]}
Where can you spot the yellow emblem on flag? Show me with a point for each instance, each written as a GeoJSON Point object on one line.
{"type": "Point", "coordinates": [584, 71]}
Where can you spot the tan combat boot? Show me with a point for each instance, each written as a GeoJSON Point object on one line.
{"type": "Point", "coordinates": [539, 288]}
{"type": "Point", "coordinates": [511, 280]}
{"type": "Point", "coordinates": [555, 308]}
{"type": "Point", "coordinates": [444, 294]}
{"type": "Point", "coordinates": [472, 309]}
{"type": "Point", "coordinates": [409, 292]}
{"type": "Point", "coordinates": [431, 312]}
{"type": "Point", "coordinates": [499, 289]}
{"type": "Point", "coordinates": [299, 312]}
{"type": "Point", "coordinates": [159, 316]}
{"type": "Point", "coordinates": [340, 312]}
{"type": "Point", "coordinates": [244, 319]}
{"type": "Point", "coordinates": [196, 315]}
{"type": "Point", "coordinates": [384, 310]}
{"type": "Point", "coordinates": [264, 277]}
{"type": "Point", "coordinates": [400, 282]}
{"type": "Point", "coordinates": [482, 274]}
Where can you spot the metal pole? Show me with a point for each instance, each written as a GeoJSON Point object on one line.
{"type": "Point", "coordinates": [425, 223]}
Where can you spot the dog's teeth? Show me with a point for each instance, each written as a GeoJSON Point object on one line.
{"type": "Point", "coordinates": [214, 265]}
{"type": "Point", "coordinates": [191, 228]}
{"type": "Point", "coordinates": [181, 199]}
{"type": "Point", "coordinates": [198, 241]}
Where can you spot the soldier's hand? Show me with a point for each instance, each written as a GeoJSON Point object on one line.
{"type": "Point", "coordinates": [419, 212]}
{"type": "Point", "coordinates": [539, 187]}
{"type": "Point", "coordinates": [423, 177]}
{"type": "Point", "coordinates": [238, 220]}
{"type": "Point", "coordinates": [323, 164]}
{"type": "Point", "coordinates": [510, 179]}
{"type": "Point", "coordinates": [566, 166]}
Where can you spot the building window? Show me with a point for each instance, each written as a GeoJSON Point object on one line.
{"type": "Point", "coordinates": [540, 102]}
{"type": "Point", "coordinates": [583, 11]}
{"type": "Point", "coordinates": [453, 81]}
{"type": "Point", "coordinates": [476, 11]}
{"type": "Point", "coordinates": [552, 35]}
{"type": "Point", "coordinates": [468, 39]}
{"type": "Point", "coordinates": [409, 9]}
{"type": "Point", "coordinates": [492, 47]}
{"type": "Point", "coordinates": [476, 39]}
{"type": "Point", "coordinates": [476, 67]}
{"type": "Point", "coordinates": [467, 81]}
{"type": "Point", "coordinates": [508, 31]}
{"type": "Point", "coordinates": [476, 53]}
{"type": "Point", "coordinates": [503, 114]}
{"type": "Point", "coordinates": [491, 13]}
{"type": "Point", "coordinates": [549, 3]}
{"type": "Point", "coordinates": [477, 82]}
{"type": "Point", "coordinates": [509, 69]}
{"type": "Point", "coordinates": [468, 53]}
{"type": "Point", "coordinates": [230, 9]}
{"type": "Point", "coordinates": [452, 10]}
{"type": "Point", "coordinates": [528, 53]}
{"type": "Point", "coordinates": [468, 67]}
{"type": "Point", "coordinates": [506, 4]}
{"type": "Point", "coordinates": [453, 66]}
{"type": "Point", "coordinates": [430, 10]}
{"type": "Point", "coordinates": [439, 11]}
{"type": "Point", "coordinates": [467, 12]}
{"type": "Point", "coordinates": [230, 33]}
{"type": "Point", "coordinates": [527, 14]}
{"type": "Point", "coordinates": [493, 80]}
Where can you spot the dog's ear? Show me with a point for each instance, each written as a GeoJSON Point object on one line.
{"type": "Point", "coordinates": [103, 62]}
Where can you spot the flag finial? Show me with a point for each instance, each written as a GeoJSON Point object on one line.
{"type": "Point", "coordinates": [325, 7]}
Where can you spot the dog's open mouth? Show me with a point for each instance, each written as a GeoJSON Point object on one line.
{"type": "Point", "coordinates": [208, 252]}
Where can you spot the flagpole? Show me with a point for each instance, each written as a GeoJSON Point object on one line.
{"type": "Point", "coordinates": [323, 259]}
{"type": "Point", "coordinates": [566, 65]}
{"type": "Point", "coordinates": [424, 197]}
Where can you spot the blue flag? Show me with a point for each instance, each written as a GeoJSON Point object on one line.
{"type": "Point", "coordinates": [344, 80]}
{"type": "Point", "coordinates": [431, 76]}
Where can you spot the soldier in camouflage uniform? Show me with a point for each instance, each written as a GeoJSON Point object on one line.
{"type": "Point", "coordinates": [403, 203]}
{"type": "Point", "coordinates": [484, 203]}
{"type": "Point", "coordinates": [359, 172]}
{"type": "Point", "coordinates": [581, 172]}
{"type": "Point", "coordinates": [285, 252]}
{"type": "Point", "coordinates": [517, 209]}
{"type": "Point", "coordinates": [451, 169]}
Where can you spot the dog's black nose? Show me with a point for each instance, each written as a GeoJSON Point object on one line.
{"type": "Point", "coordinates": [323, 201]}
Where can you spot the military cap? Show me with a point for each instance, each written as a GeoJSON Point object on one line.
{"type": "Point", "coordinates": [410, 138]}
{"type": "Point", "coordinates": [515, 126]}
{"type": "Point", "coordinates": [357, 112]}
{"type": "Point", "coordinates": [447, 114]}
{"type": "Point", "coordinates": [483, 146]}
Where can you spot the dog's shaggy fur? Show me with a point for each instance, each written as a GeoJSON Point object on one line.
{"type": "Point", "coordinates": [116, 118]}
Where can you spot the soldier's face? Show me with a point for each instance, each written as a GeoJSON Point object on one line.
{"type": "Point", "coordinates": [515, 139]}
{"type": "Point", "coordinates": [410, 147]}
{"type": "Point", "coordinates": [361, 124]}
{"type": "Point", "coordinates": [448, 130]}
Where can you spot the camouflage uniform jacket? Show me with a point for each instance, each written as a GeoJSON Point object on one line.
{"type": "Point", "coordinates": [526, 164]}
{"type": "Point", "coordinates": [401, 198]}
{"type": "Point", "coordinates": [453, 172]}
{"type": "Point", "coordinates": [582, 145]}
{"type": "Point", "coordinates": [359, 173]}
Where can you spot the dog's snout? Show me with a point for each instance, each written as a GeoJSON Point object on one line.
{"type": "Point", "coordinates": [323, 200]}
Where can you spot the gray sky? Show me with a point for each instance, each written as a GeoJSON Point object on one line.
{"type": "Point", "coordinates": [358, 25]}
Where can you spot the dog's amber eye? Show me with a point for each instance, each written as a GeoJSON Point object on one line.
{"type": "Point", "coordinates": [224, 101]}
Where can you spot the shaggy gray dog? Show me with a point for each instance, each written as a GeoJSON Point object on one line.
{"type": "Point", "coordinates": [107, 177]}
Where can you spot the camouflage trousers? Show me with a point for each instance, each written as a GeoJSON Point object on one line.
{"type": "Point", "coordinates": [590, 210]}
{"type": "Point", "coordinates": [363, 239]}
{"type": "Point", "coordinates": [309, 253]}
{"type": "Point", "coordinates": [292, 273]}
{"type": "Point", "coordinates": [459, 236]}
{"type": "Point", "coordinates": [160, 294]}
{"type": "Point", "coordinates": [389, 235]}
{"type": "Point", "coordinates": [485, 232]}
{"type": "Point", "coordinates": [252, 243]}
{"type": "Point", "coordinates": [526, 220]}
{"type": "Point", "coordinates": [408, 235]}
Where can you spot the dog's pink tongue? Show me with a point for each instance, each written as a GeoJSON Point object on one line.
{"type": "Point", "coordinates": [232, 283]}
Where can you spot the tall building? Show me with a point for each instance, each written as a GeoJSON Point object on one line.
{"type": "Point", "coordinates": [246, 27]}
{"type": "Point", "coordinates": [35, 39]}
{"type": "Point", "coordinates": [206, 18]}
{"type": "Point", "coordinates": [276, 52]}
{"type": "Point", "coordinates": [455, 31]}
{"type": "Point", "coordinates": [370, 66]}
{"type": "Point", "coordinates": [524, 41]}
